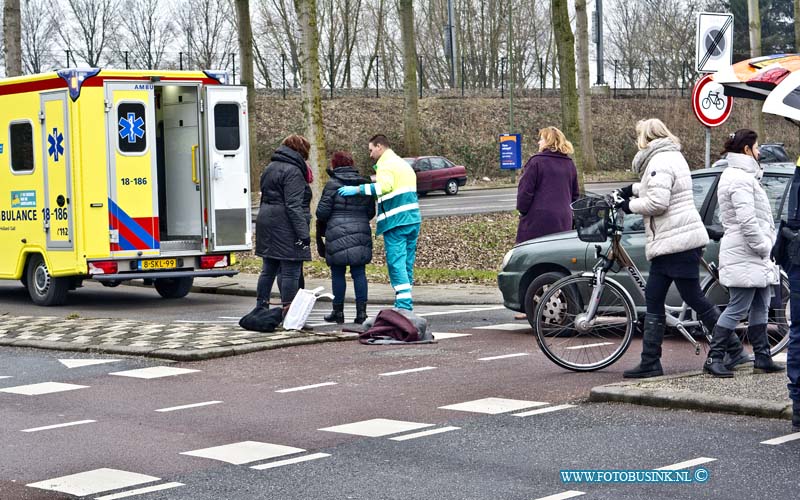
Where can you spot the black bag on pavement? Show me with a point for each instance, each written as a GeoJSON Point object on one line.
{"type": "Point", "coordinates": [262, 319]}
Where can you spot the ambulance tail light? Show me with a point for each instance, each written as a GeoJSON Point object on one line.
{"type": "Point", "coordinates": [75, 79]}
{"type": "Point", "coordinates": [213, 261]}
{"type": "Point", "coordinates": [103, 267]}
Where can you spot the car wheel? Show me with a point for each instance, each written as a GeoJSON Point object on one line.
{"type": "Point", "coordinates": [44, 289]}
{"type": "Point", "coordinates": [536, 289]}
{"type": "Point", "coordinates": [422, 193]}
{"type": "Point", "coordinates": [451, 187]}
{"type": "Point", "coordinates": [173, 288]}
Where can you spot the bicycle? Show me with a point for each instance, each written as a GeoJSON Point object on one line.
{"type": "Point", "coordinates": [715, 99]}
{"type": "Point", "coordinates": [585, 322]}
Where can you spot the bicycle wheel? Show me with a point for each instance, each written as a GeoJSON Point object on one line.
{"type": "Point", "coordinates": [568, 340]}
{"type": "Point", "coordinates": [777, 325]}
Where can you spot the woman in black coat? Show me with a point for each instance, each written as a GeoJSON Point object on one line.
{"type": "Point", "coordinates": [282, 226]}
{"type": "Point", "coordinates": [344, 223]}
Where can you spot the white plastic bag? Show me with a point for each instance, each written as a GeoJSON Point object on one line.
{"type": "Point", "coordinates": [301, 308]}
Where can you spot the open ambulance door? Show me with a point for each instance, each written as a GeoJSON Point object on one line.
{"type": "Point", "coordinates": [227, 168]}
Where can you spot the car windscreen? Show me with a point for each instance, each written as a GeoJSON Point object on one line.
{"type": "Point", "coordinates": [773, 154]}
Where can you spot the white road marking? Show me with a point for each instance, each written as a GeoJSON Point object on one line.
{"type": "Point", "coordinates": [185, 407]}
{"type": "Point", "coordinates": [140, 491]}
{"type": "Point", "coordinates": [588, 345]}
{"type": "Point", "coordinates": [57, 426]}
{"type": "Point", "coordinates": [154, 372]}
{"type": "Point", "coordinates": [504, 356]}
{"type": "Point", "coordinates": [412, 370]}
{"type": "Point", "coordinates": [214, 321]}
{"type": "Point", "coordinates": [244, 452]}
{"type": "Point", "coordinates": [6, 376]}
{"type": "Point", "coordinates": [782, 439]}
{"type": "Point", "coordinates": [543, 410]}
{"type": "Point", "coordinates": [78, 363]}
{"type": "Point", "coordinates": [42, 388]}
{"type": "Point", "coordinates": [415, 435]}
{"type": "Point", "coordinates": [461, 311]}
{"type": "Point", "coordinates": [306, 387]}
{"type": "Point", "coordinates": [442, 335]}
{"type": "Point", "coordinates": [377, 427]}
{"type": "Point", "coordinates": [687, 464]}
{"type": "Point", "coordinates": [509, 327]}
{"type": "Point", "coordinates": [563, 496]}
{"type": "Point", "coordinates": [781, 357]}
{"type": "Point", "coordinates": [94, 481]}
{"type": "Point", "coordinates": [493, 406]}
{"type": "Point", "coordinates": [290, 461]}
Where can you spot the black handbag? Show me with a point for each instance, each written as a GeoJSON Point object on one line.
{"type": "Point", "coordinates": [262, 319]}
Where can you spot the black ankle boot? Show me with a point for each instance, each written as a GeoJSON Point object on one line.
{"type": "Point", "coordinates": [796, 416]}
{"type": "Point", "coordinates": [720, 339]}
{"type": "Point", "coordinates": [653, 336]}
{"type": "Point", "coordinates": [336, 315]}
{"type": "Point", "coordinates": [361, 313]}
{"type": "Point", "coordinates": [763, 359]}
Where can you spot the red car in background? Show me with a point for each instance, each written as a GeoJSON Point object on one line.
{"type": "Point", "coordinates": [437, 173]}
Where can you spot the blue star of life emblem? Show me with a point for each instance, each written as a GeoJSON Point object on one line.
{"type": "Point", "coordinates": [131, 128]}
{"type": "Point", "coordinates": [56, 142]}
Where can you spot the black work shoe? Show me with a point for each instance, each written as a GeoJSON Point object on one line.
{"type": "Point", "coordinates": [640, 371]}
{"type": "Point", "coordinates": [714, 366]}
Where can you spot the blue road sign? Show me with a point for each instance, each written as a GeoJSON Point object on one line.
{"type": "Point", "coordinates": [510, 151]}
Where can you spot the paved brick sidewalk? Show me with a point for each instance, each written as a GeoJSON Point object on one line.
{"type": "Point", "coordinates": [176, 341]}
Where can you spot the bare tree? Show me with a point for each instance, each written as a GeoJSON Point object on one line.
{"type": "Point", "coordinates": [625, 37]}
{"type": "Point", "coordinates": [754, 23]}
{"type": "Point", "coordinates": [796, 5]}
{"type": "Point", "coordinates": [88, 27]}
{"type": "Point", "coordinates": [206, 27]}
{"type": "Point", "coordinates": [12, 36]}
{"type": "Point", "coordinates": [148, 31]}
{"type": "Point", "coordinates": [411, 104]}
{"type": "Point", "coordinates": [585, 99]}
{"type": "Point", "coordinates": [245, 31]}
{"type": "Point", "coordinates": [38, 36]}
{"type": "Point", "coordinates": [312, 99]}
{"type": "Point", "coordinates": [565, 43]}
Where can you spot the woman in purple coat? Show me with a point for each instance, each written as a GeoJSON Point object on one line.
{"type": "Point", "coordinates": [548, 185]}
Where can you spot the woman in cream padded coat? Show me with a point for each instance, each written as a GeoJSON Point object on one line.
{"type": "Point", "coordinates": [745, 266]}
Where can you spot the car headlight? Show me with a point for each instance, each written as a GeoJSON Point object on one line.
{"type": "Point", "coordinates": [506, 259]}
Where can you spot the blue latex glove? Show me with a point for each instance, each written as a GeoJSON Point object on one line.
{"type": "Point", "coordinates": [348, 191]}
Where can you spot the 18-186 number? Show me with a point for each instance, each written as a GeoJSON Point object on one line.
{"type": "Point", "coordinates": [136, 181]}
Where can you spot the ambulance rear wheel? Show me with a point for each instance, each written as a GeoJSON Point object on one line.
{"type": "Point", "coordinates": [44, 289]}
{"type": "Point", "coordinates": [173, 288]}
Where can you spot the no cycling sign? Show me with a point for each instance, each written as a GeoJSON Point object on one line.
{"type": "Point", "coordinates": [709, 103]}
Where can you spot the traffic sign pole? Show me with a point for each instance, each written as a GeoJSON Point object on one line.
{"type": "Point", "coordinates": [708, 147]}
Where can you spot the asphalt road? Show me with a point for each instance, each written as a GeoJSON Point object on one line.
{"type": "Point", "coordinates": [117, 434]}
{"type": "Point", "coordinates": [475, 201]}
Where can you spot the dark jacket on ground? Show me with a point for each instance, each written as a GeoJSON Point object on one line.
{"type": "Point", "coordinates": [348, 236]}
{"type": "Point", "coordinates": [285, 212]}
{"type": "Point", "coordinates": [548, 185]}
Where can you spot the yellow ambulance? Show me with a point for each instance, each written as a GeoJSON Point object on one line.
{"type": "Point", "coordinates": [117, 175]}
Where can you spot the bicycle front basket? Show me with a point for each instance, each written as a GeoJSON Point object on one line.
{"type": "Point", "coordinates": [592, 219]}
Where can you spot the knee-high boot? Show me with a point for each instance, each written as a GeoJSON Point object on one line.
{"type": "Point", "coordinates": [758, 339]}
{"type": "Point", "coordinates": [653, 336]}
{"type": "Point", "coordinates": [720, 338]}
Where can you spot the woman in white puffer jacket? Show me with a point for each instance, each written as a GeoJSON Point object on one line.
{"type": "Point", "coordinates": [745, 266]}
{"type": "Point", "coordinates": [676, 237]}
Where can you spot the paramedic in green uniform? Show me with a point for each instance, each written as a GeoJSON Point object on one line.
{"type": "Point", "coordinates": [398, 218]}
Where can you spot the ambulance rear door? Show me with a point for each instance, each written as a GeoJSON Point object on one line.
{"type": "Point", "coordinates": [227, 168]}
{"type": "Point", "coordinates": [57, 212]}
{"type": "Point", "coordinates": [132, 191]}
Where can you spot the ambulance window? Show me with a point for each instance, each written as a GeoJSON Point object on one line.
{"type": "Point", "coordinates": [131, 137]}
{"type": "Point", "coordinates": [21, 143]}
{"type": "Point", "coordinates": [226, 126]}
